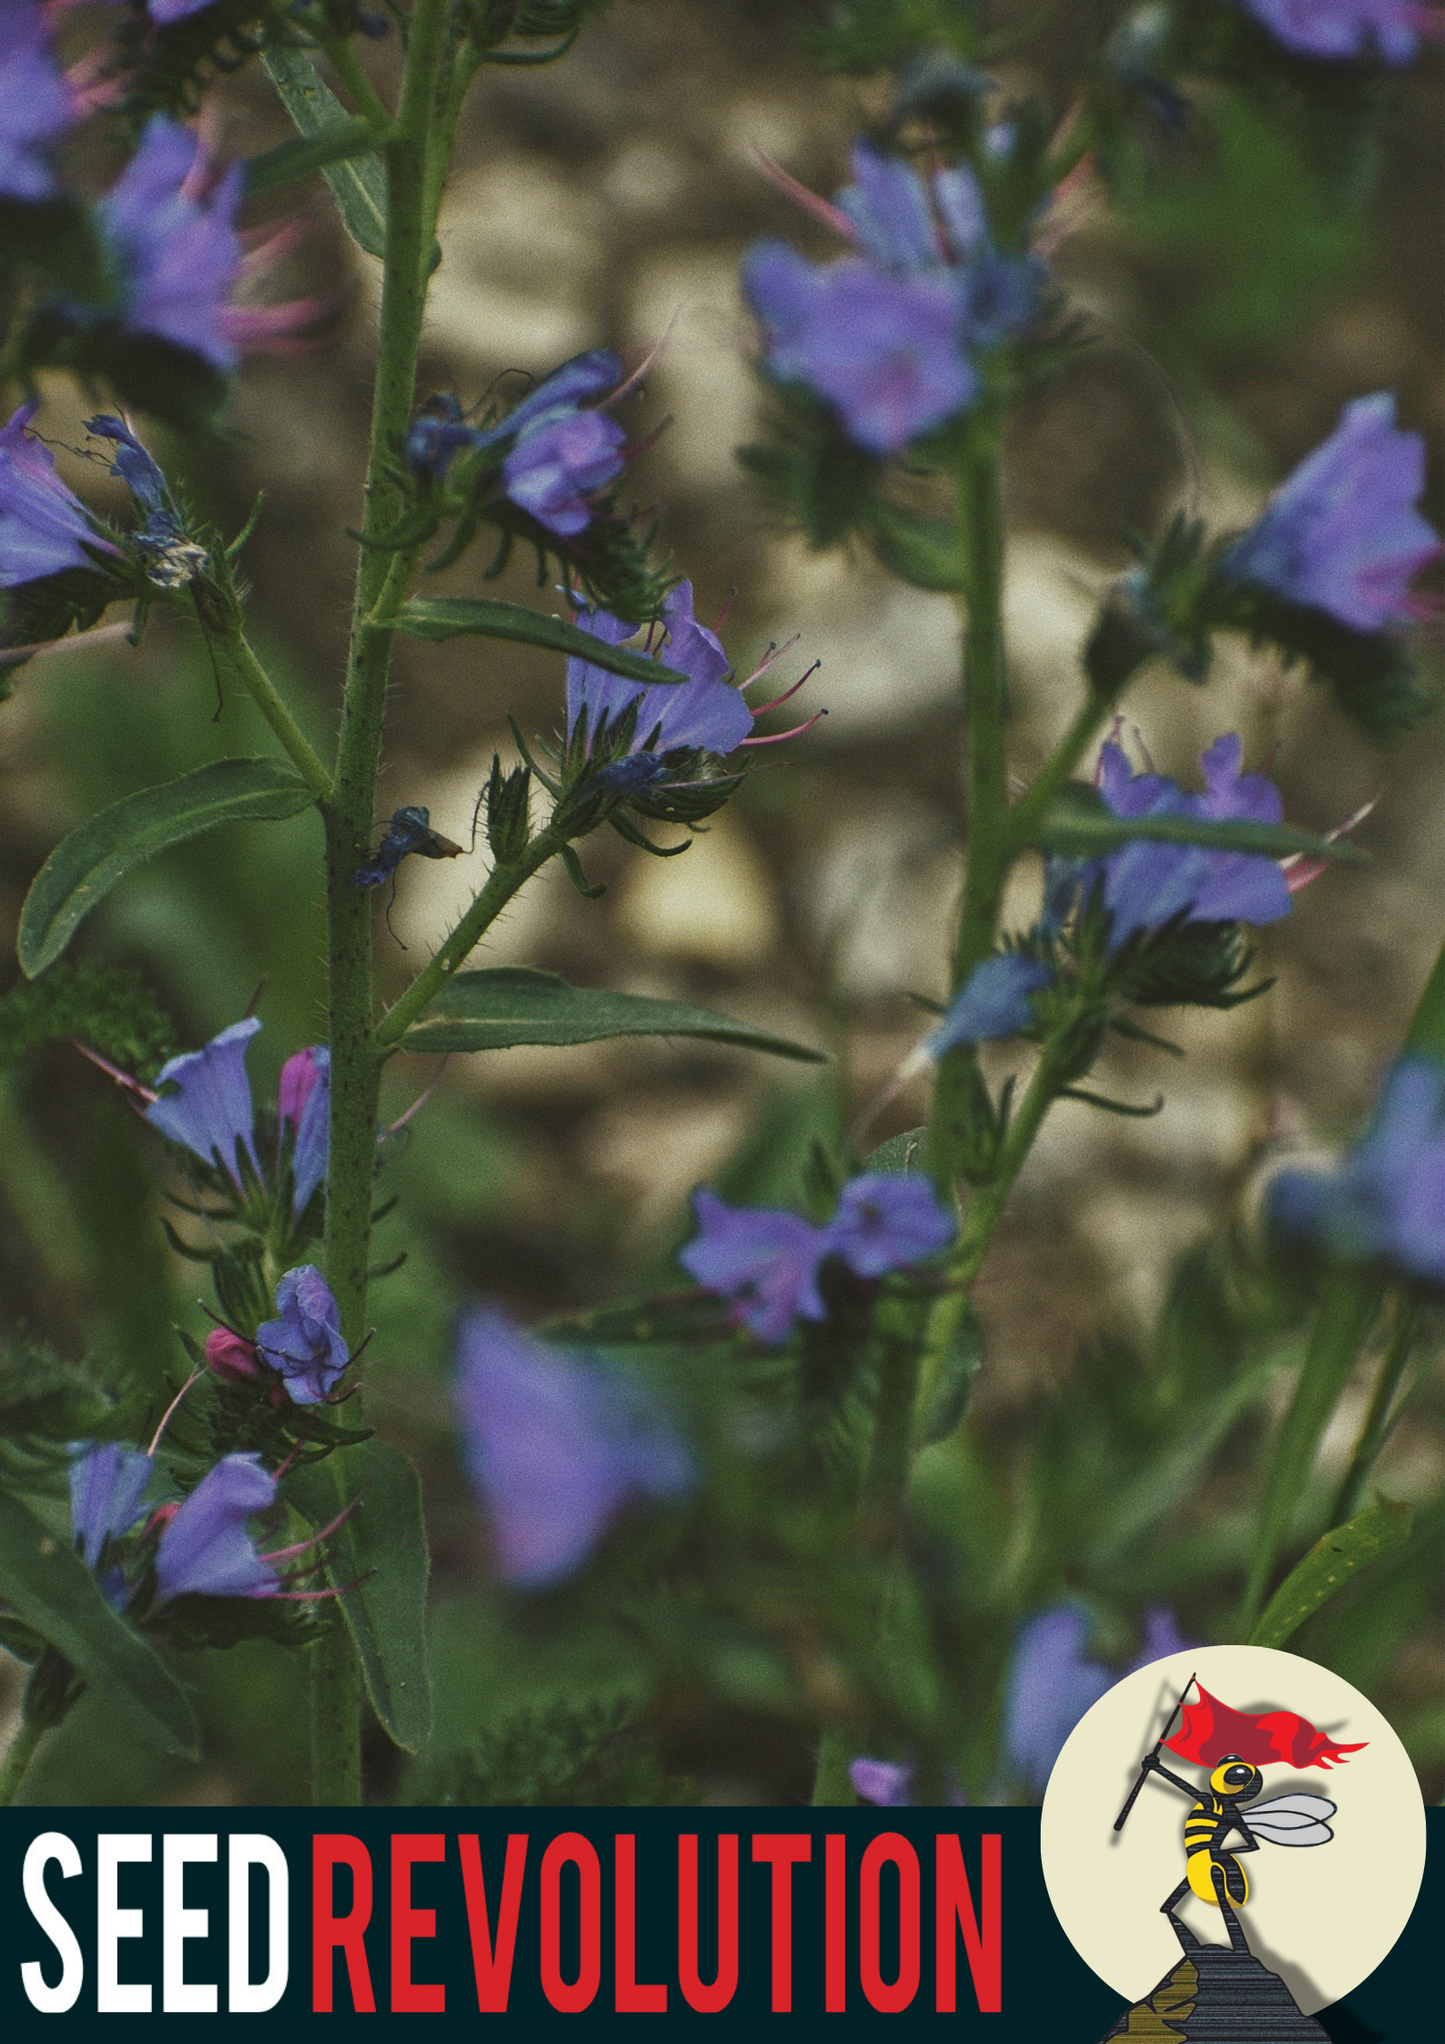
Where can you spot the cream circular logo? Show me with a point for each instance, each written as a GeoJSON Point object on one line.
{"type": "Point", "coordinates": [1232, 1828]}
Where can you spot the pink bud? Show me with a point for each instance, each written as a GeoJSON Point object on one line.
{"type": "Point", "coordinates": [231, 1358]}
{"type": "Point", "coordinates": [299, 1075]}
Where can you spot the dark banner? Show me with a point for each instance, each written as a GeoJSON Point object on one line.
{"type": "Point", "coordinates": [548, 1915]}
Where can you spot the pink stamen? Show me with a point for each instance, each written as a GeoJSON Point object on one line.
{"type": "Point", "coordinates": [103, 635]}
{"type": "Point", "coordinates": [266, 245]}
{"type": "Point", "coordinates": [1299, 869]}
{"type": "Point", "coordinates": [169, 1413]}
{"type": "Point", "coordinates": [416, 1107]}
{"type": "Point", "coordinates": [788, 693]}
{"type": "Point", "coordinates": [303, 1546]}
{"type": "Point", "coordinates": [771, 658]}
{"type": "Point", "coordinates": [821, 209]}
{"type": "Point", "coordinates": [653, 355]}
{"type": "Point", "coordinates": [777, 737]}
{"type": "Point", "coordinates": [114, 1072]}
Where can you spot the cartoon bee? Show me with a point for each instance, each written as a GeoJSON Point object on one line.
{"type": "Point", "coordinates": [1213, 1873]}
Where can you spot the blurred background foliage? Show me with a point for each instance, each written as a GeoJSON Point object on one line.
{"type": "Point", "coordinates": [1239, 289]}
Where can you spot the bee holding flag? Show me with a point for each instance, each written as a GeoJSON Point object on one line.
{"type": "Point", "coordinates": [1236, 1747]}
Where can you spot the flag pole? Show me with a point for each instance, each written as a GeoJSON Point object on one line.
{"type": "Point", "coordinates": [1144, 1764]}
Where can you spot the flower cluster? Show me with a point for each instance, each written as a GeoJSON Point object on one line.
{"type": "Point", "coordinates": [890, 336]}
{"type": "Point", "coordinates": [557, 1446]}
{"type": "Point", "coordinates": [35, 108]}
{"type": "Point", "coordinates": [1385, 1200]}
{"type": "Point", "coordinates": [1387, 29]}
{"type": "Point", "coordinates": [767, 1262]}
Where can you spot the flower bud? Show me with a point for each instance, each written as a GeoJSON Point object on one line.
{"type": "Point", "coordinates": [231, 1358]}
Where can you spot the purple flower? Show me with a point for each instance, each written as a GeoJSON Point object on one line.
{"type": "Point", "coordinates": [886, 1221]}
{"type": "Point", "coordinates": [210, 1112]}
{"type": "Point", "coordinates": [139, 471]}
{"type": "Point", "coordinates": [553, 471]}
{"type": "Point", "coordinates": [556, 1447]}
{"type": "Point", "coordinates": [163, 12]}
{"type": "Point", "coordinates": [995, 1000]}
{"type": "Point", "coordinates": [1051, 1684]}
{"type": "Point", "coordinates": [44, 527]}
{"type": "Point", "coordinates": [706, 711]}
{"type": "Point", "coordinates": [205, 1549]}
{"type": "Point", "coordinates": [178, 253]}
{"type": "Point", "coordinates": [107, 1484]}
{"type": "Point", "coordinates": [303, 1104]}
{"type": "Point", "coordinates": [1386, 1199]}
{"type": "Point", "coordinates": [888, 1784]}
{"type": "Point", "coordinates": [1146, 884]}
{"type": "Point", "coordinates": [1342, 534]}
{"type": "Point", "coordinates": [304, 1344]}
{"type": "Point", "coordinates": [885, 335]}
{"type": "Point", "coordinates": [1388, 29]}
{"type": "Point", "coordinates": [762, 1259]}
{"type": "Point", "coordinates": [35, 108]}
{"type": "Point", "coordinates": [437, 434]}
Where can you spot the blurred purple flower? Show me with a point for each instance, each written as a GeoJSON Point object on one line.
{"type": "Point", "coordinates": [303, 1104]}
{"type": "Point", "coordinates": [888, 1784]}
{"type": "Point", "coordinates": [1386, 1198]}
{"type": "Point", "coordinates": [553, 471]}
{"type": "Point", "coordinates": [210, 1113]}
{"type": "Point", "coordinates": [1051, 1684]}
{"type": "Point", "coordinates": [44, 527]}
{"type": "Point", "coordinates": [163, 12]}
{"type": "Point", "coordinates": [1146, 884]}
{"type": "Point", "coordinates": [1388, 29]}
{"type": "Point", "coordinates": [437, 434]}
{"type": "Point", "coordinates": [35, 107]}
{"type": "Point", "coordinates": [995, 1000]}
{"type": "Point", "coordinates": [556, 1447]}
{"type": "Point", "coordinates": [1341, 534]}
{"type": "Point", "coordinates": [886, 1221]}
{"type": "Point", "coordinates": [107, 1483]}
{"type": "Point", "coordinates": [706, 711]}
{"type": "Point", "coordinates": [304, 1343]}
{"type": "Point", "coordinates": [205, 1549]}
{"type": "Point", "coordinates": [178, 252]}
{"type": "Point", "coordinates": [765, 1261]}
{"type": "Point", "coordinates": [885, 335]}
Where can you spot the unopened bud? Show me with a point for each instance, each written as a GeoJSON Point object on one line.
{"type": "Point", "coordinates": [231, 1358]}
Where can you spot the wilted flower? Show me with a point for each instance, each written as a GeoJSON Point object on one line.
{"type": "Point", "coordinates": [995, 1000]}
{"type": "Point", "coordinates": [1386, 1199]}
{"type": "Point", "coordinates": [44, 527]}
{"type": "Point", "coordinates": [888, 1784]}
{"type": "Point", "coordinates": [1052, 1684]}
{"type": "Point", "coordinates": [178, 253]}
{"type": "Point", "coordinates": [556, 1446]}
{"type": "Point", "coordinates": [886, 335]}
{"type": "Point", "coordinates": [1388, 29]}
{"type": "Point", "coordinates": [1146, 884]}
{"type": "Point", "coordinates": [210, 1112]}
{"type": "Point", "coordinates": [304, 1343]}
{"type": "Point", "coordinates": [767, 1261]}
{"type": "Point", "coordinates": [1342, 534]}
{"type": "Point", "coordinates": [303, 1104]}
{"type": "Point", "coordinates": [172, 560]}
{"type": "Point", "coordinates": [35, 108]}
{"type": "Point", "coordinates": [205, 1549]}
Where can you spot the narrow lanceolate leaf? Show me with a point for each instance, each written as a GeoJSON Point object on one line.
{"type": "Point", "coordinates": [513, 1005]}
{"type": "Point", "coordinates": [85, 866]}
{"type": "Point", "coordinates": [1080, 825]}
{"type": "Point", "coordinates": [358, 183]}
{"type": "Point", "coordinates": [289, 162]}
{"type": "Point", "coordinates": [46, 1583]}
{"type": "Point", "coordinates": [380, 1562]}
{"type": "Point", "coordinates": [928, 552]}
{"type": "Point", "coordinates": [485, 617]}
{"type": "Point", "coordinates": [1331, 1563]}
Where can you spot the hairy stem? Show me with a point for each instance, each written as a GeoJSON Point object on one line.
{"type": "Point", "coordinates": [16, 1764]}
{"type": "Point", "coordinates": [265, 695]}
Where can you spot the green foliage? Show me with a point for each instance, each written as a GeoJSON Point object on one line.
{"type": "Point", "coordinates": [495, 26]}
{"type": "Point", "coordinates": [169, 64]}
{"type": "Point", "coordinates": [1081, 825]}
{"type": "Point", "coordinates": [485, 617]}
{"type": "Point", "coordinates": [289, 162]}
{"type": "Point", "coordinates": [85, 866]}
{"type": "Point", "coordinates": [816, 480]}
{"type": "Point", "coordinates": [45, 1403]}
{"type": "Point", "coordinates": [37, 612]}
{"type": "Point", "coordinates": [872, 35]}
{"type": "Point", "coordinates": [111, 1010]}
{"type": "Point", "coordinates": [357, 180]}
{"type": "Point", "coordinates": [1331, 1563]}
{"type": "Point", "coordinates": [510, 1005]}
{"type": "Point", "coordinates": [566, 1756]}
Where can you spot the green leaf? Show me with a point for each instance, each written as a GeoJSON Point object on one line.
{"type": "Point", "coordinates": [511, 1005]}
{"type": "Point", "coordinates": [289, 162]}
{"type": "Point", "coordinates": [380, 1561]}
{"type": "Point", "coordinates": [486, 617]}
{"type": "Point", "coordinates": [47, 1584]}
{"type": "Point", "coordinates": [358, 184]}
{"type": "Point", "coordinates": [1331, 1563]}
{"type": "Point", "coordinates": [1079, 824]}
{"type": "Point", "coordinates": [928, 552]}
{"type": "Point", "coordinates": [958, 1372]}
{"type": "Point", "coordinates": [84, 867]}
{"type": "Point", "coordinates": [900, 1153]}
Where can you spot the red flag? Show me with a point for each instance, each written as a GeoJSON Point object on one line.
{"type": "Point", "coordinates": [1211, 1730]}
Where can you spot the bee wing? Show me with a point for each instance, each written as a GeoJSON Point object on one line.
{"type": "Point", "coordinates": [1292, 1820]}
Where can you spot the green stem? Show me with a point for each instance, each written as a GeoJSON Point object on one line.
{"type": "Point", "coordinates": [1031, 808]}
{"type": "Point", "coordinates": [364, 95]}
{"type": "Point", "coordinates": [264, 694]}
{"type": "Point", "coordinates": [16, 1764]}
{"type": "Point", "coordinates": [1380, 1417]}
{"type": "Point", "coordinates": [832, 1784]}
{"type": "Point", "coordinates": [355, 1063]}
{"type": "Point", "coordinates": [501, 885]}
